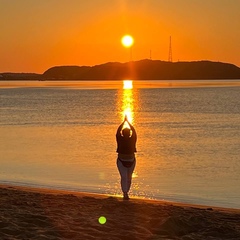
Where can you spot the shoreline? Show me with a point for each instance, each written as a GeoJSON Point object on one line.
{"type": "Point", "coordinates": [40, 213]}
{"type": "Point", "coordinates": [186, 201]}
{"type": "Point", "coordinates": [59, 191]}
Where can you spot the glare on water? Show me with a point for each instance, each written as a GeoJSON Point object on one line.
{"type": "Point", "coordinates": [127, 101]}
{"type": "Point", "coordinates": [63, 136]}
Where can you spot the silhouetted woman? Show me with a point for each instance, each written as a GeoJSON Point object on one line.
{"type": "Point", "coordinates": [126, 161]}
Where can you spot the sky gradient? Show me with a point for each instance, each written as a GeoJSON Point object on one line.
{"type": "Point", "coordinates": [38, 34]}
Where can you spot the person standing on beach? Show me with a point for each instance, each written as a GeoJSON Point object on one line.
{"type": "Point", "coordinates": [126, 161]}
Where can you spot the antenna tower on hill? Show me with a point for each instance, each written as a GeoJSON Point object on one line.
{"type": "Point", "coordinates": [170, 50]}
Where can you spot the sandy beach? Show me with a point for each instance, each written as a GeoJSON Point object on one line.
{"type": "Point", "coordinates": [31, 213]}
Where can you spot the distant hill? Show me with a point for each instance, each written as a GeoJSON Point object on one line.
{"type": "Point", "coordinates": [20, 76]}
{"type": "Point", "coordinates": [141, 70]}
{"type": "Point", "coordinates": [146, 70]}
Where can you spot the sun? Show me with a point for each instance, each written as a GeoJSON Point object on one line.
{"type": "Point", "coordinates": [127, 41]}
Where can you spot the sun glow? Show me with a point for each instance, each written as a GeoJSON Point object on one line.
{"type": "Point", "coordinates": [127, 41]}
{"type": "Point", "coordinates": [127, 84]}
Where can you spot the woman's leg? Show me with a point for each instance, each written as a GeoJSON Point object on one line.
{"type": "Point", "coordinates": [129, 175]}
{"type": "Point", "coordinates": [124, 176]}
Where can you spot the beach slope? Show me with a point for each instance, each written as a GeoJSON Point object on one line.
{"type": "Point", "coordinates": [28, 213]}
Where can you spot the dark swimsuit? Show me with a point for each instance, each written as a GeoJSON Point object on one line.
{"type": "Point", "coordinates": [127, 164]}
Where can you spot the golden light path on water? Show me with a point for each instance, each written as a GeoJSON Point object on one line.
{"type": "Point", "coordinates": [127, 101]}
{"type": "Point", "coordinates": [128, 105]}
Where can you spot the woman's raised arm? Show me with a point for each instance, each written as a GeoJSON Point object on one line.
{"type": "Point", "coordinates": [134, 134]}
{"type": "Point", "coordinates": [120, 128]}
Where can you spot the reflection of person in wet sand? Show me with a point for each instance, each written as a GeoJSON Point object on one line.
{"type": "Point", "coordinates": [126, 161]}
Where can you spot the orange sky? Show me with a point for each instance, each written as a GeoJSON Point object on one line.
{"type": "Point", "coordinates": [39, 34]}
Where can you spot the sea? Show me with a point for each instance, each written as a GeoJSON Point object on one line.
{"type": "Point", "coordinates": [61, 135]}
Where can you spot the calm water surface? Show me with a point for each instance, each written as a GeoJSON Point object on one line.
{"type": "Point", "coordinates": [63, 136]}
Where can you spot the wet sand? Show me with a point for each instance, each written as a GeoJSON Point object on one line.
{"type": "Point", "coordinates": [31, 213]}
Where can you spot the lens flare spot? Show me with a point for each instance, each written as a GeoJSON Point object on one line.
{"type": "Point", "coordinates": [134, 175]}
{"type": "Point", "coordinates": [102, 220]}
{"type": "Point", "coordinates": [102, 175]}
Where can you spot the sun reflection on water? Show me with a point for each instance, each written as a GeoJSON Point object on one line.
{"type": "Point", "coordinates": [128, 105]}
{"type": "Point", "coordinates": [127, 102]}
{"type": "Point", "coordinates": [127, 84]}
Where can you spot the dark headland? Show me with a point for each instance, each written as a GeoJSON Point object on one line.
{"type": "Point", "coordinates": [135, 70]}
